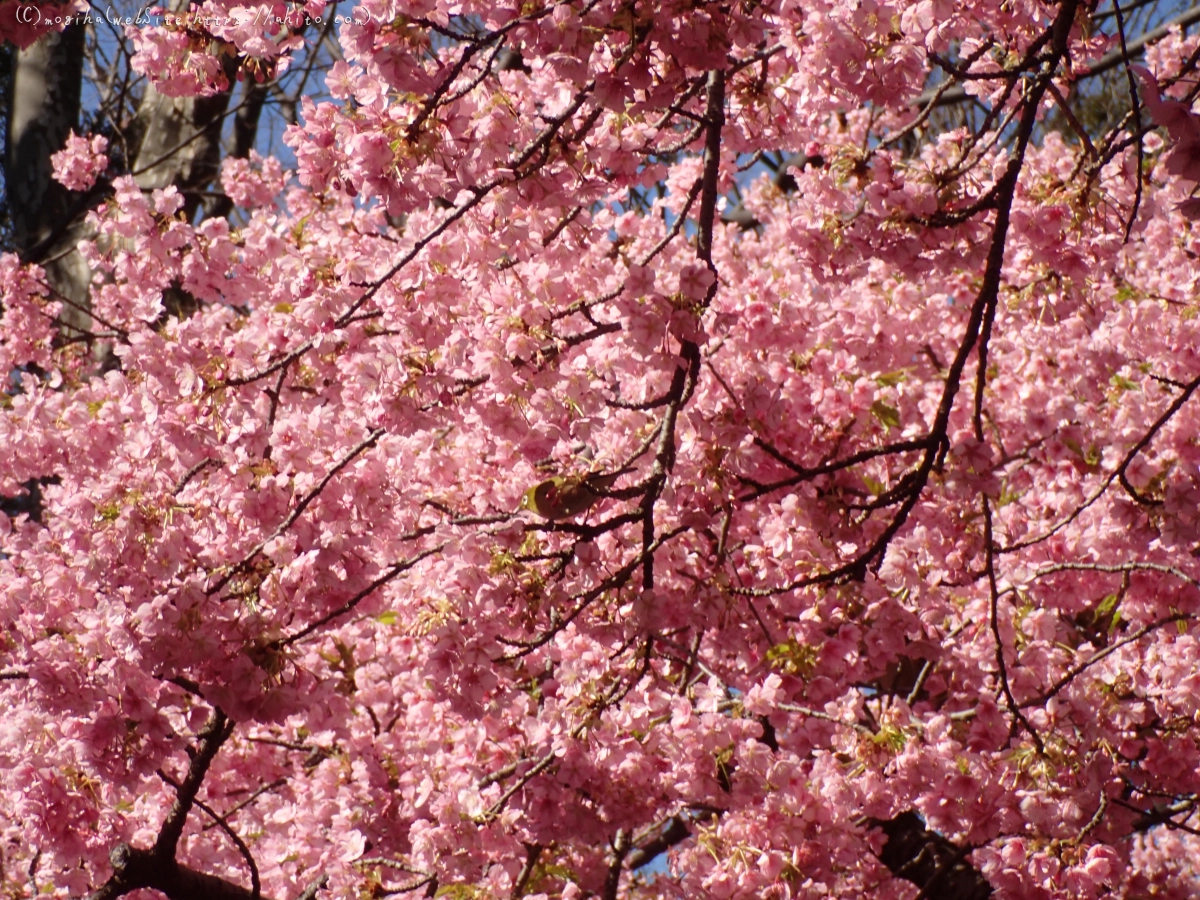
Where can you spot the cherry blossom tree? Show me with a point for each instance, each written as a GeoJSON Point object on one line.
{"type": "Point", "coordinates": [644, 450]}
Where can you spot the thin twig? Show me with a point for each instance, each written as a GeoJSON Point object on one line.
{"type": "Point", "coordinates": [305, 502]}
{"type": "Point", "coordinates": [994, 617]}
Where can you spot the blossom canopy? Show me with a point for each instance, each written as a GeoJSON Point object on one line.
{"type": "Point", "coordinates": [874, 360]}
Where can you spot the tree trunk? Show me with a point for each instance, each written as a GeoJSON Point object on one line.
{"type": "Point", "coordinates": [181, 139]}
{"type": "Point", "coordinates": [44, 107]}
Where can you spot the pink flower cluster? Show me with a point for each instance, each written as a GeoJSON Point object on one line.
{"type": "Point", "coordinates": [904, 507]}
{"type": "Point", "coordinates": [77, 165]}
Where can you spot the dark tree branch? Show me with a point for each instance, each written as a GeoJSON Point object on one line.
{"type": "Point", "coordinates": [930, 861]}
{"type": "Point", "coordinates": [1109, 60]}
{"type": "Point", "coordinates": [612, 880]}
{"type": "Point", "coordinates": [994, 618]}
{"type": "Point", "coordinates": [215, 733]}
{"type": "Point", "coordinates": [532, 853]}
{"type": "Point", "coordinates": [305, 502]}
{"type": "Point", "coordinates": [979, 322]}
{"type": "Point", "coordinates": [135, 868]}
{"type": "Point", "coordinates": [673, 831]}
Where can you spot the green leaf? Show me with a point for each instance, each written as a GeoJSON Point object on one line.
{"type": "Point", "coordinates": [459, 892]}
{"type": "Point", "coordinates": [888, 415]}
{"type": "Point", "coordinates": [793, 658]}
{"type": "Point", "coordinates": [875, 487]}
{"type": "Point", "coordinates": [891, 738]}
{"type": "Point", "coordinates": [891, 379]}
{"type": "Point", "coordinates": [1123, 383]}
{"type": "Point", "coordinates": [388, 617]}
{"type": "Point", "coordinates": [1008, 496]}
{"type": "Point", "coordinates": [557, 871]}
{"type": "Point", "coordinates": [1108, 610]}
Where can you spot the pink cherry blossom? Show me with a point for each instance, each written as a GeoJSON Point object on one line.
{"type": "Point", "coordinates": [882, 545]}
{"type": "Point", "coordinates": [80, 161]}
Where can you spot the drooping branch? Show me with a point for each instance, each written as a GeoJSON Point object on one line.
{"type": "Point", "coordinates": [298, 510]}
{"type": "Point", "coordinates": [994, 620]}
{"type": "Point", "coordinates": [391, 573]}
{"type": "Point", "coordinates": [978, 324]}
{"type": "Point", "coordinates": [1117, 473]}
{"type": "Point", "coordinates": [683, 381]}
{"type": "Point", "coordinates": [1110, 60]}
{"type": "Point", "coordinates": [157, 868]}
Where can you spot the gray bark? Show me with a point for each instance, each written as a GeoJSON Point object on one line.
{"type": "Point", "coordinates": [180, 137]}
{"type": "Point", "coordinates": [44, 107]}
